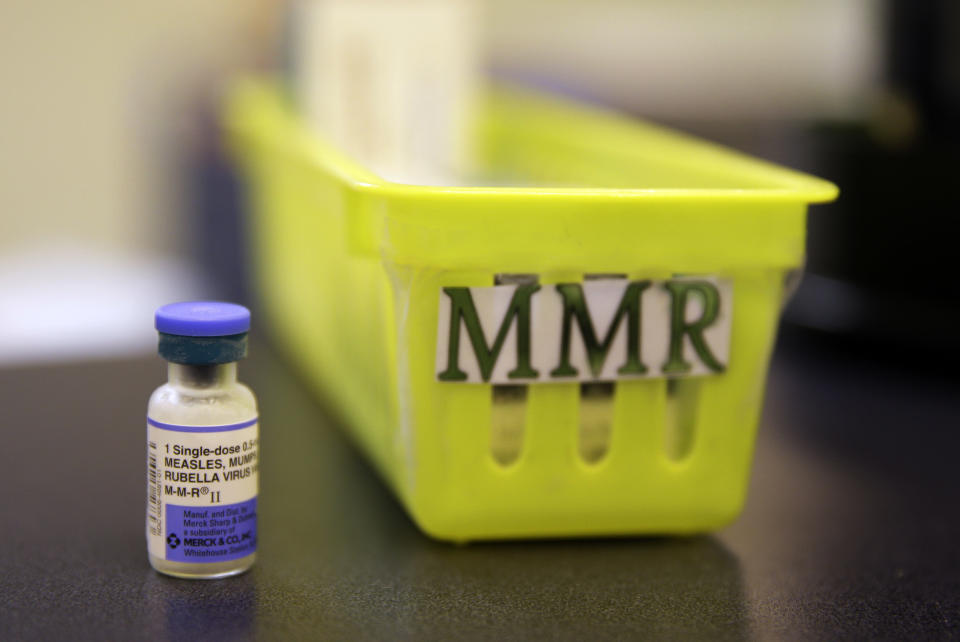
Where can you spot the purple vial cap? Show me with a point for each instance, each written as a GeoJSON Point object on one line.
{"type": "Point", "coordinates": [203, 319]}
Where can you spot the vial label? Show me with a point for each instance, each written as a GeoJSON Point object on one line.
{"type": "Point", "coordinates": [202, 491]}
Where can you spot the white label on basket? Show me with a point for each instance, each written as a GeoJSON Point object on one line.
{"type": "Point", "coordinates": [598, 330]}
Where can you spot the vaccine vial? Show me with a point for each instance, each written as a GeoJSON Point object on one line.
{"type": "Point", "coordinates": [202, 445]}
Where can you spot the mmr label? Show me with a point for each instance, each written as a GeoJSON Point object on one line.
{"type": "Point", "coordinates": [600, 330]}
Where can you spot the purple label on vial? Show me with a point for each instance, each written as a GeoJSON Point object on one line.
{"type": "Point", "coordinates": [211, 533]}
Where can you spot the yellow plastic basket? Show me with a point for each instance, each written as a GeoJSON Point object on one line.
{"type": "Point", "coordinates": [350, 270]}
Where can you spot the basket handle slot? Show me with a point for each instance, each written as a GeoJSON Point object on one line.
{"type": "Point", "coordinates": [508, 418]}
{"type": "Point", "coordinates": [683, 400]}
{"type": "Point", "coordinates": [596, 420]}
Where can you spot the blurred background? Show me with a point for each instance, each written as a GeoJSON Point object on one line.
{"type": "Point", "coordinates": [116, 195]}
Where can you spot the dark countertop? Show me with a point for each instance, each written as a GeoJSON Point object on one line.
{"type": "Point", "coordinates": [851, 529]}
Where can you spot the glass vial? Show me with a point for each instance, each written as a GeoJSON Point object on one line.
{"type": "Point", "coordinates": [202, 446]}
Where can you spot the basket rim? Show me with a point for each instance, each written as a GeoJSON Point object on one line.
{"type": "Point", "coordinates": [256, 111]}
